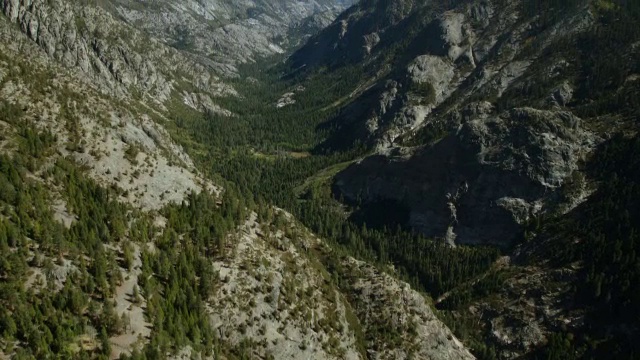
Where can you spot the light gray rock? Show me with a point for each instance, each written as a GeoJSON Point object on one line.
{"type": "Point", "coordinates": [381, 300]}
{"type": "Point", "coordinates": [494, 172]}
{"type": "Point", "coordinates": [370, 41]}
{"type": "Point", "coordinates": [562, 95]}
{"type": "Point", "coordinates": [114, 57]}
{"type": "Point", "coordinates": [433, 70]}
{"type": "Point", "coordinates": [231, 32]}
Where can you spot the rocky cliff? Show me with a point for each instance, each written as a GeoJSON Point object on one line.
{"type": "Point", "coordinates": [88, 112]}
{"type": "Point", "coordinates": [449, 90]}
{"type": "Point", "coordinates": [112, 56]}
{"type": "Point", "coordinates": [120, 141]}
{"type": "Point", "coordinates": [483, 122]}
{"type": "Point", "coordinates": [161, 50]}
{"type": "Point", "coordinates": [229, 33]}
{"type": "Point", "coordinates": [479, 184]}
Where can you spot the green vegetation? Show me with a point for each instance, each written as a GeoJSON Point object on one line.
{"type": "Point", "coordinates": [49, 320]}
{"type": "Point", "coordinates": [53, 315]}
{"type": "Point", "coordinates": [426, 264]}
{"type": "Point", "coordinates": [425, 91]}
{"type": "Point", "coordinates": [258, 124]}
{"type": "Point", "coordinates": [58, 282]}
{"type": "Point", "coordinates": [603, 235]}
{"type": "Point", "coordinates": [178, 278]}
{"type": "Point", "coordinates": [82, 265]}
{"type": "Point", "coordinates": [429, 134]}
{"type": "Point", "coordinates": [256, 155]}
{"type": "Point", "coordinates": [601, 79]}
{"type": "Point", "coordinates": [486, 285]}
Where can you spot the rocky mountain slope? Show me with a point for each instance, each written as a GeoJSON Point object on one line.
{"type": "Point", "coordinates": [483, 122]}
{"type": "Point", "coordinates": [119, 141]}
{"type": "Point", "coordinates": [114, 57]}
{"type": "Point", "coordinates": [114, 243]}
{"type": "Point", "coordinates": [277, 291]}
{"type": "Point", "coordinates": [164, 50]}
{"type": "Point", "coordinates": [228, 33]}
{"type": "Point", "coordinates": [142, 195]}
{"type": "Point", "coordinates": [493, 97]}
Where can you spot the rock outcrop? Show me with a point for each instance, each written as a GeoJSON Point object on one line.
{"type": "Point", "coordinates": [481, 182]}
{"type": "Point", "coordinates": [121, 143]}
{"type": "Point", "coordinates": [381, 301]}
{"type": "Point", "coordinates": [231, 32]}
{"type": "Point", "coordinates": [275, 290]}
{"type": "Point", "coordinates": [116, 58]}
{"type": "Point", "coordinates": [451, 107]}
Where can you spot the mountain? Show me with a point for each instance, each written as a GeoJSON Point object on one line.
{"type": "Point", "coordinates": [492, 122]}
{"type": "Point", "coordinates": [117, 240]}
{"type": "Point", "coordinates": [113, 56]}
{"type": "Point", "coordinates": [500, 100]}
{"type": "Point", "coordinates": [230, 32]}
{"type": "Point", "coordinates": [319, 179]}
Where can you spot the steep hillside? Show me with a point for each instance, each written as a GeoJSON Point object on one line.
{"type": "Point", "coordinates": [230, 32]}
{"type": "Point", "coordinates": [113, 57]}
{"type": "Point", "coordinates": [433, 180]}
{"type": "Point", "coordinates": [119, 141]}
{"type": "Point", "coordinates": [115, 242]}
{"type": "Point", "coordinates": [502, 100]}
{"type": "Point", "coordinates": [483, 122]}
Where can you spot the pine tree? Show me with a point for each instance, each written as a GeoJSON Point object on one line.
{"type": "Point", "coordinates": [105, 343]}
{"type": "Point", "coordinates": [136, 295]}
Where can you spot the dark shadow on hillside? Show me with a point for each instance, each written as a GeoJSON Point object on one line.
{"type": "Point", "coordinates": [382, 214]}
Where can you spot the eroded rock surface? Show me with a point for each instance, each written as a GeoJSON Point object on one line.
{"type": "Point", "coordinates": [483, 181]}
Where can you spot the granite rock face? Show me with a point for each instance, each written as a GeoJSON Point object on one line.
{"type": "Point", "coordinates": [296, 313]}
{"type": "Point", "coordinates": [231, 32]}
{"type": "Point", "coordinates": [386, 302]}
{"type": "Point", "coordinates": [456, 136]}
{"type": "Point", "coordinates": [164, 49]}
{"type": "Point", "coordinates": [481, 182]}
{"type": "Point", "coordinates": [119, 147]}
{"type": "Point", "coordinates": [109, 54]}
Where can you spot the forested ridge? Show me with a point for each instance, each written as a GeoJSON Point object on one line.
{"type": "Point", "coordinates": [267, 156]}
{"type": "Point", "coordinates": [51, 317]}
{"type": "Point", "coordinates": [602, 234]}
{"type": "Point", "coordinates": [58, 282]}
{"type": "Point", "coordinates": [263, 164]}
{"type": "Point", "coordinates": [269, 172]}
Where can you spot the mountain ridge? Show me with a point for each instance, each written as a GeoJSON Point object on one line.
{"type": "Point", "coordinates": [169, 192]}
{"type": "Point", "coordinates": [115, 242]}
{"type": "Point", "coordinates": [230, 33]}
{"type": "Point", "coordinates": [529, 93]}
{"type": "Point", "coordinates": [471, 58]}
